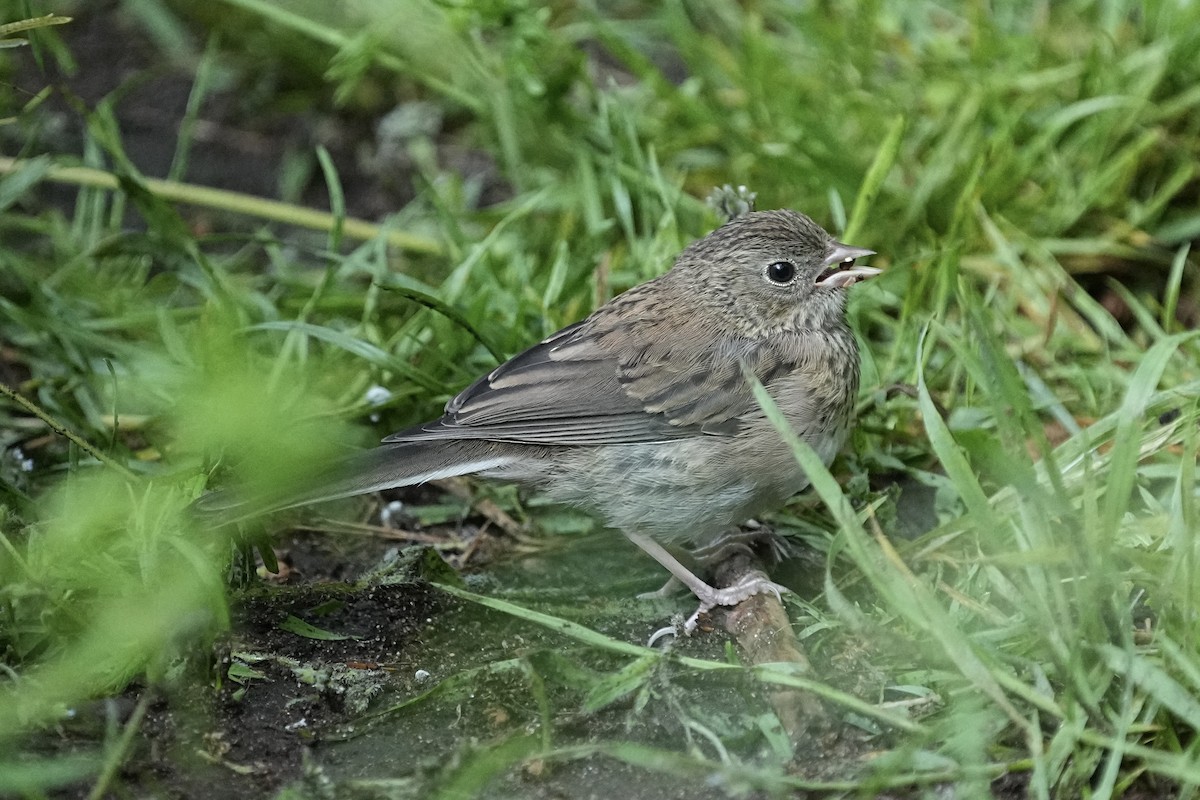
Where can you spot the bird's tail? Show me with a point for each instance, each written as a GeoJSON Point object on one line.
{"type": "Point", "coordinates": [385, 467]}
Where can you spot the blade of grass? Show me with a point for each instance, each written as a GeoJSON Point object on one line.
{"type": "Point", "coordinates": [768, 673]}
{"type": "Point", "coordinates": [1155, 681]}
{"type": "Point", "coordinates": [336, 38]}
{"type": "Point", "coordinates": [1174, 283]}
{"type": "Point", "coordinates": [1143, 384]}
{"type": "Point", "coordinates": [351, 344]}
{"type": "Point", "coordinates": [64, 431]}
{"type": "Point", "coordinates": [405, 289]}
{"type": "Point", "coordinates": [881, 165]}
{"type": "Point", "coordinates": [958, 469]}
{"type": "Point", "coordinates": [885, 569]}
{"type": "Point", "coordinates": [237, 203]}
{"type": "Point", "coordinates": [202, 85]}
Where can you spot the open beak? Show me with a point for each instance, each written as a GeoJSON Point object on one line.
{"type": "Point", "coordinates": [840, 271]}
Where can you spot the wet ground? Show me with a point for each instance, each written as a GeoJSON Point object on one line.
{"type": "Point", "coordinates": [377, 683]}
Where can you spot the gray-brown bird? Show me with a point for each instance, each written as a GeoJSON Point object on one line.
{"type": "Point", "coordinates": [643, 414]}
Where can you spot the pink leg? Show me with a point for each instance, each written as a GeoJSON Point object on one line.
{"type": "Point", "coordinates": [709, 596]}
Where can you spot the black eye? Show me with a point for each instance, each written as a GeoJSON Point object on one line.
{"type": "Point", "coordinates": [781, 272]}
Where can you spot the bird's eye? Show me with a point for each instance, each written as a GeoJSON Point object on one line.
{"type": "Point", "coordinates": [781, 272]}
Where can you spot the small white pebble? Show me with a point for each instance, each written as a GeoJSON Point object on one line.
{"type": "Point", "coordinates": [377, 395]}
{"type": "Point", "coordinates": [390, 514]}
{"type": "Point", "coordinates": [422, 675]}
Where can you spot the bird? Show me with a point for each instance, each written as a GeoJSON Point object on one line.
{"type": "Point", "coordinates": [643, 413]}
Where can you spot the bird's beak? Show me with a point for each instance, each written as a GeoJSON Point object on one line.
{"type": "Point", "coordinates": [840, 271]}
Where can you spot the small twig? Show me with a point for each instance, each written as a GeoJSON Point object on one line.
{"type": "Point", "coordinates": [330, 525]}
{"type": "Point", "coordinates": [62, 430]}
{"type": "Point", "coordinates": [488, 508]}
{"type": "Point", "coordinates": [908, 390]}
{"type": "Point", "coordinates": [762, 628]}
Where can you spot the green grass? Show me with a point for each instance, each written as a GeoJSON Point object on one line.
{"type": "Point", "coordinates": [1014, 166]}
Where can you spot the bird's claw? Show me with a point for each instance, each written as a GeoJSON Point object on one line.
{"type": "Point", "coordinates": [744, 589]}
{"type": "Point", "coordinates": [670, 630]}
{"type": "Point", "coordinates": [750, 585]}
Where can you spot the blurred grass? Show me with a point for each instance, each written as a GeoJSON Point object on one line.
{"type": "Point", "coordinates": [1034, 199]}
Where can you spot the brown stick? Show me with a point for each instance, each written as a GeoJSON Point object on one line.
{"type": "Point", "coordinates": [488, 508]}
{"type": "Point", "coordinates": [762, 628]}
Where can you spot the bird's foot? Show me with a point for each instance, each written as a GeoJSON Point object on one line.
{"type": "Point", "coordinates": [751, 583]}
{"type": "Point", "coordinates": [710, 597]}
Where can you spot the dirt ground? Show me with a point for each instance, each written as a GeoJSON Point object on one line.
{"type": "Point", "coordinates": [275, 707]}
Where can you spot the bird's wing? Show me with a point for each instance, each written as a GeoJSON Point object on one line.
{"type": "Point", "coordinates": [595, 384]}
{"type": "Point", "coordinates": [704, 388]}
